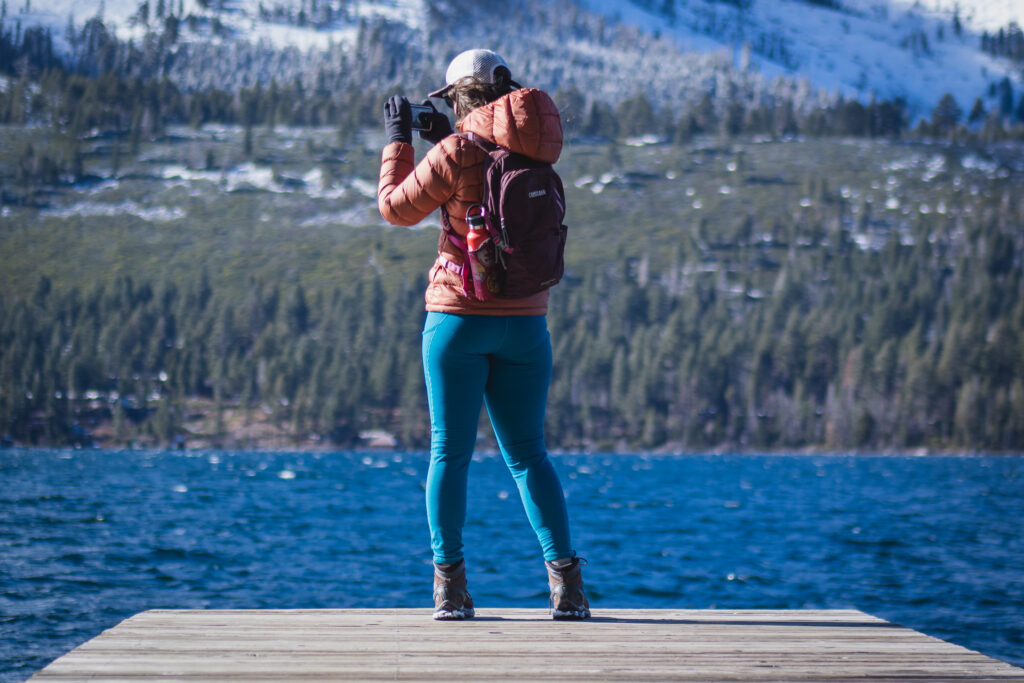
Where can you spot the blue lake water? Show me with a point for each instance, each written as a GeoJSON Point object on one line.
{"type": "Point", "coordinates": [88, 538]}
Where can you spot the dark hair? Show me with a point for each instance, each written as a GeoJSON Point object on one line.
{"type": "Point", "coordinates": [466, 94]}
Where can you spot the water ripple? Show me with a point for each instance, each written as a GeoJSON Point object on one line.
{"type": "Point", "coordinates": [88, 538]}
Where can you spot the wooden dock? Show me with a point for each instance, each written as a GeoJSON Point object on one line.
{"type": "Point", "coordinates": [519, 645]}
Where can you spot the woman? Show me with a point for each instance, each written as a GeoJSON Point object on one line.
{"type": "Point", "coordinates": [496, 352]}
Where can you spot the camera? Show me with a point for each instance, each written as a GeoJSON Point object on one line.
{"type": "Point", "coordinates": [418, 120]}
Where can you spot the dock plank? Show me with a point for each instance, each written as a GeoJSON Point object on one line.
{"type": "Point", "coordinates": [519, 645]}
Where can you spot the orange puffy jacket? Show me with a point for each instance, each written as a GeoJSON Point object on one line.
{"type": "Point", "coordinates": [452, 174]}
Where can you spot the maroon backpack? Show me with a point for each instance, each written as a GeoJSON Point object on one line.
{"type": "Point", "coordinates": [524, 204]}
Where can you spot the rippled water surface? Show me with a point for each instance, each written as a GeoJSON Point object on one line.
{"type": "Point", "coordinates": [88, 538]}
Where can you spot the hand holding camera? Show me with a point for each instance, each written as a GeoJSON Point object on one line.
{"type": "Point", "coordinates": [433, 125]}
{"type": "Point", "coordinates": [401, 118]}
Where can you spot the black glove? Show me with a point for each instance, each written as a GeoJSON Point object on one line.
{"type": "Point", "coordinates": [440, 126]}
{"type": "Point", "coordinates": [398, 119]}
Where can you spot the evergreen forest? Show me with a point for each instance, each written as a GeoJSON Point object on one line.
{"type": "Point", "coordinates": [205, 267]}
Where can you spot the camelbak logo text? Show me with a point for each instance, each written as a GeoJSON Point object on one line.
{"type": "Point", "coordinates": [538, 193]}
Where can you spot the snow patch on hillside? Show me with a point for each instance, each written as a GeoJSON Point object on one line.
{"type": "Point", "coordinates": [153, 214]}
{"type": "Point", "coordinates": [869, 48]}
{"type": "Point", "coordinates": [978, 15]}
{"type": "Point", "coordinates": [241, 18]}
{"type": "Point", "coordinates": [881, 48]}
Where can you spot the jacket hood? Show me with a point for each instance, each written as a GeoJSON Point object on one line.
{"type": "Point", "coordinates": [525, 121]}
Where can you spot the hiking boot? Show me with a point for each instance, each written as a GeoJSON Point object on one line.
{"type": "Point", "coordinates": [566, 582]}
{"type": "Point", "coordinates": [451, 599]}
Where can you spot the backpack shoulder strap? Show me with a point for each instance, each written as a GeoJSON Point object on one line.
{"type": "Point", "coordinates": [449, 232]}
{"type": "Point", "coordinates": [480, 141]}
{"type": "Point", "coordinates": [487, 146]}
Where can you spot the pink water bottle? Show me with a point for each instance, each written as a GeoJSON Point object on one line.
{"type": "Point", "coordinates": [480, 245]}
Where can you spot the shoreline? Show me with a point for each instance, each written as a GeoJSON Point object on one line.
{"type": "Point", "coordinates": [556, 452]}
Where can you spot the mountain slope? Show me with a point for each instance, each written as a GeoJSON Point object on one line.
{"type": "Point", "coordinates": [860, 48]}
{"type": "Point", "coordinates": [671, 50]}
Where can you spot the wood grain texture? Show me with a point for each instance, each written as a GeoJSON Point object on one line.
{"type": "Point", "coordinates": [519, 645]}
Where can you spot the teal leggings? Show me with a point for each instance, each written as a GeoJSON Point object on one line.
{"type": "Point", "coordinates": [505, 362]}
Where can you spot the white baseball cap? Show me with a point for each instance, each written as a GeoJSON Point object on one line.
{"type": "Point", "coordinates": [479, 63]}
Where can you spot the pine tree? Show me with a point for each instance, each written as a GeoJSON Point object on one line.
{"type": "Point", "coordinates": [947, 114]}
{"type": "Point", "coordinates": [977, 112]}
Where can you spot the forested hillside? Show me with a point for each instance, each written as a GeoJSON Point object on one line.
{"type": "Point", "coordinates": [751, 264]}
{"type": "Point", "coordinates": [851, 349]}
{"type": "Point", "coordinates": [721, 293]}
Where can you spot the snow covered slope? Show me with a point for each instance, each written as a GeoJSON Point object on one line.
{"type": "Point", "coordinates": [863, 48]}
{"type": "Point", "coordinates": [859, 48]}
{"type": "Point", "coordinates": [980, 15]}
{"type": "Point", "coordinates": [241, 18]}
